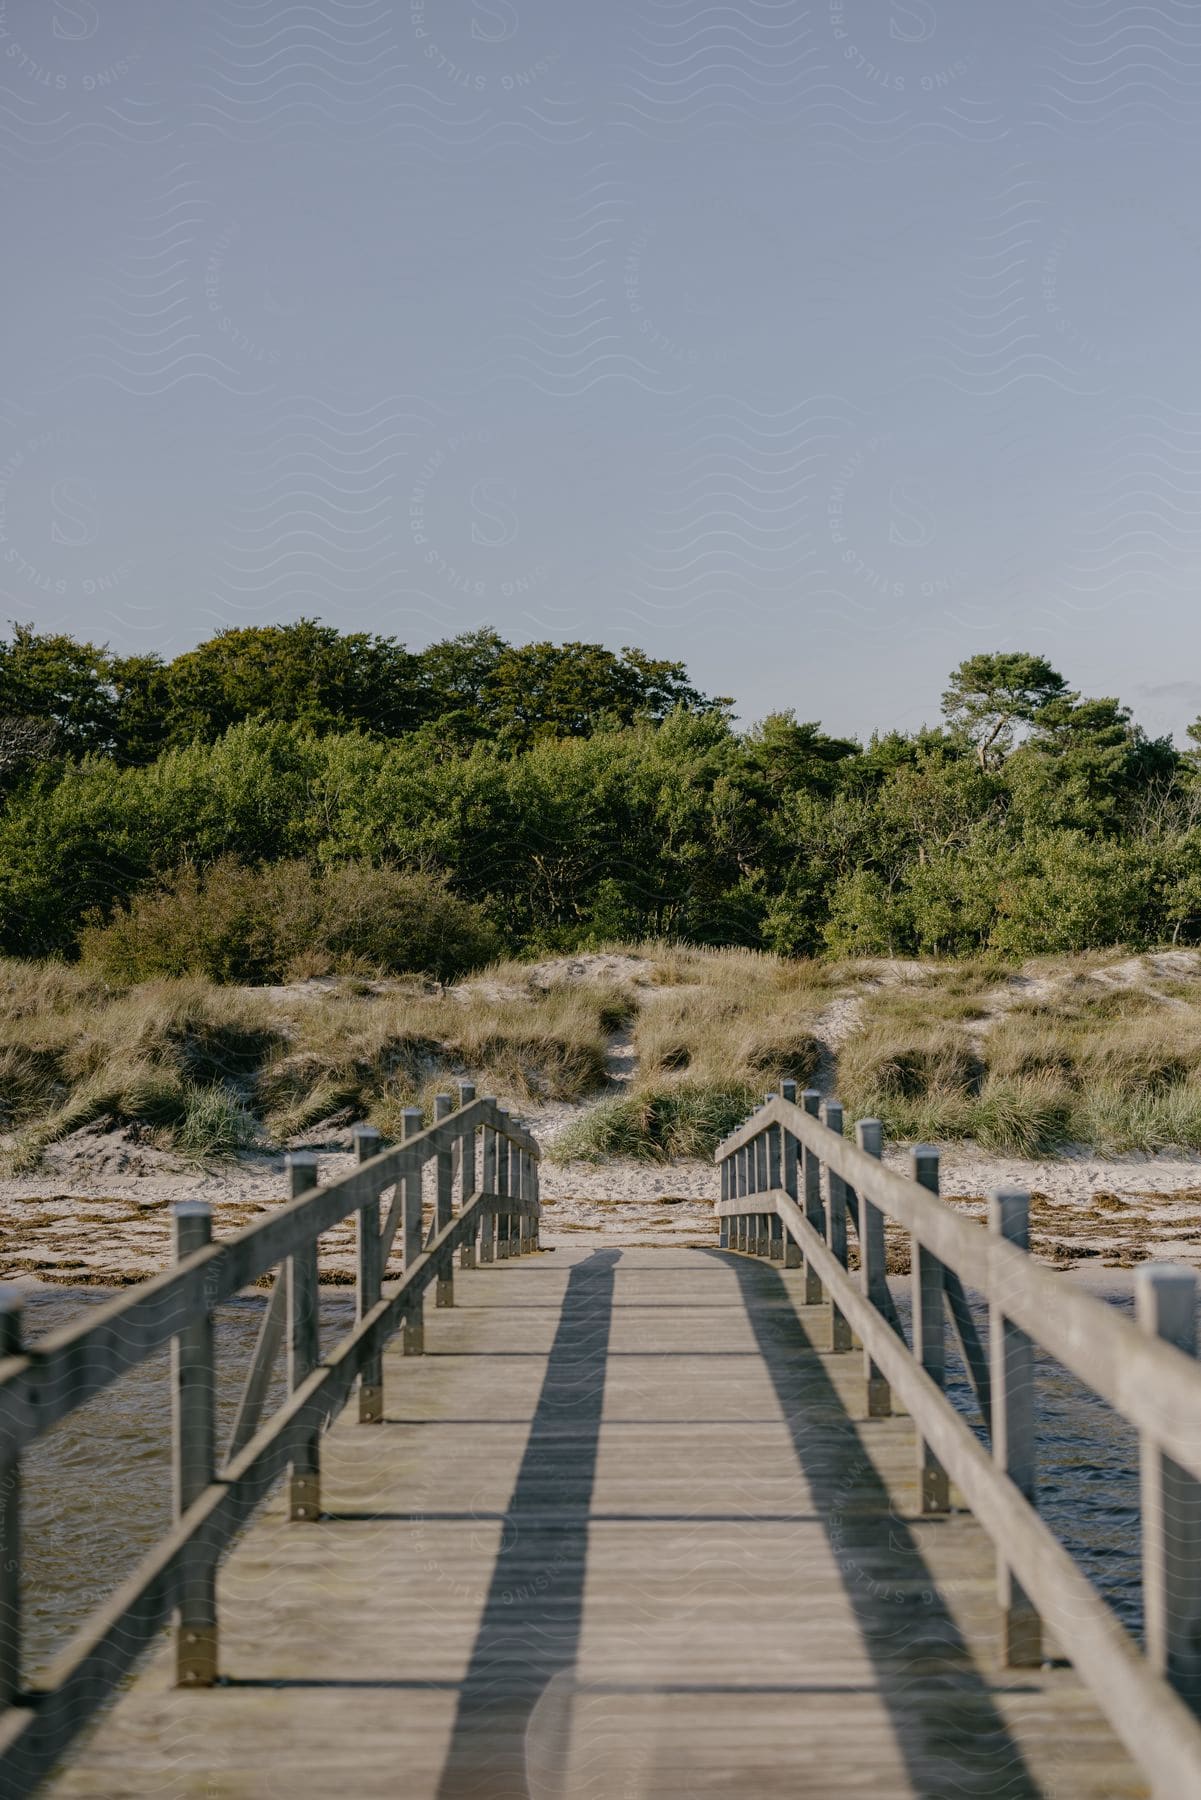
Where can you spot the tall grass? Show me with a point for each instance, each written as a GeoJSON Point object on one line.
{"type": "Point", "coordinates": [657, 1123]}
{"type": "Point", "coordinates": [1111, 1067]}
{"type": "Point", "coordinates": [208, 1070]}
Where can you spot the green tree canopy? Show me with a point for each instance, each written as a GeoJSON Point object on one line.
{"type": "Point", "coordinates": [990, 696]}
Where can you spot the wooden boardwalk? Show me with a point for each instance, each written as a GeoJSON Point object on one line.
{"type": "Point", "coordinates": [625, 1531]}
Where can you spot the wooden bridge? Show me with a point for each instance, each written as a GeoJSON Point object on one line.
{"type": "Point", "coordinates": [619, 1522]}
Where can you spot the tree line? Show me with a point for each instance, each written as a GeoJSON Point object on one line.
{"type": "Point", "coordinates": [568, 796]}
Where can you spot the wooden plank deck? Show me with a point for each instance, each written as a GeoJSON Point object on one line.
{"type": "Point", "coordinates": [624, 1532]}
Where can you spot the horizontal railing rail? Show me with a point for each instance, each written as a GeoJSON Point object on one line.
{"type": "Point", "coordinates": [478, 1150]}
{"type": "Point", "coordinates": [790, 1180]}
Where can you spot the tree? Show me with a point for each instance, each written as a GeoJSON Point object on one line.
{"type": "Point", "coordinates": [572, 690]}
{"type": "Point", "coordinates": [305, 673]}
{"type": "Point", "coordinates": [67, 685]}
{"type": "Point", "coordinates": [23, 743]}
{"type": "Point", "coordinates": [990, 696]}
{"type": "Point", "coordinates": [1085, 762]}
{"type": "Point", "coordinates": [788, 756]}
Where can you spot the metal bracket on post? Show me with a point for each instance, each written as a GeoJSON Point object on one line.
{"type": "Point", "coordinates": [367, 1142]}
{"type": "Point", "coordinates": [193, 1385]}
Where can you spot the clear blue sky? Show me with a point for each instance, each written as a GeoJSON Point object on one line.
{"type": "Point", "coordinates": [818, 345]}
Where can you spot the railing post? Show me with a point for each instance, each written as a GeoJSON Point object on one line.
{"type": "Point", "coordinates": [763, 1178]}
{"type": "Point", "coordinates": [1011, 1357]}
{"type": "Point", "coordinates": [412, 1119]}
{"type": "Point", "coordinates": [723, 1223]}
{"type": "Point", "coordinates": [467, 1177]}
{"type": "Point", "coordinates": [304, 1349]}
{"type": "Point", "coordinates": [836, 1227]}
{"type": "Point", "coordinates": [535, 1195]}
{"type": "Point", "coordinates": [11, 1344]}
{"type": "Point", "coordinates": [811, 1164]}
{"type": "Point", "coordinates": [869, 1135]}
{"type": "Point", "coordinates": [1166, 1300]}
{"type": "Point", "coordinates": [788, 1176]}
{"type": "Point", "coordinates": [488, 1186]}
{"type": "Point", "coordinates": [517, 1231]}
{"type": "Point", "coordinates": [502, 1188]}
{"type": "Point", "coordinates": [193, 1385]}
{"type": "Point", "coordinates": [775, 1225]}
{"type": "Point", "coordinates": [740, 1167]}
{"type": "Point", "coordinates": [445, 1206]}
{"type": "Point", "coordinates": [370, 1279]}
{"type": "Point", "coordinates": [929, 1335]}
{"type": "Point", "coordinates": [522, 1164]}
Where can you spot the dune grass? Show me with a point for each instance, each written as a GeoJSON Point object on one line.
{"type": "Point", "coordinates": [1110, 1066]}
{"type": "Point", "coordinates": [657, 1123]}
{"type": "Point", "coordinates": [208, 1070]}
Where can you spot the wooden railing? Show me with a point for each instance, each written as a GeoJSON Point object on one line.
{"type": "Point", "coordinates": [789, 1183]}
{"type": "Point", "coordinates": [486, 1204]}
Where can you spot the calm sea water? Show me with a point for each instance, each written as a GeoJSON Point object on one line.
{"type": "Point", "coordinates": [98, 1487]}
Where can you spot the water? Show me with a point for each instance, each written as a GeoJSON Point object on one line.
{"type": "Point", "coordinates": [97, 1489]}
{"type": "Point", "coordinates": [98, 1486]}
{"type": "Point", "coordinates": [1088, 1469]}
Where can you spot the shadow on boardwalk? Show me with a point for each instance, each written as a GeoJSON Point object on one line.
{"type": "Point", "coordinates": [953, 1740]}
{"type": "Point", "coordinates": [530, 1629]}
{"type": "Point", "coordinates": [948, 1727]}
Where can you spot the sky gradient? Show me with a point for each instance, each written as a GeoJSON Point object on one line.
{"type": "Point", "coordinates": [820, 346]}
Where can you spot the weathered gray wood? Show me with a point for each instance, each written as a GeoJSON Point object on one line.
{"type": "Point", "coordinates": [467, 1176]}
{"type": "Point", "coordinates": [502, 1188]}
{"type": "Point", "coordinates": [194, 1462]}
{"type": "Point", "coordinates": [704, 1546]}
{"type": "Point", "coordinates": [975, 1358]}
{"type": "Point", "coordinates": [11, 1342]}
{"type": "Point", "coordinates": [444, 1291]}
{"type": "Point", "coordinates": [1157, 1727]}
{"type": "Point", "coordinates": [80, 1360]}
{"type": "Point", "coordinates": [1151, 1383]}
{"type": "Point", "coordinates": [836, 1228]}
{"type": "Point", "coordinates": [812, 1179]}
{"type": "Point", "coordinates": [775, 1176]}
{"type": "Point", "coordinates": [1166, 1299]}
{"type": "Point", "coordinates": [369, 1276]}
{"type": "Point", "coordinates": [790, 1172]}
{"type": "Point", "coordinates": [869, 1135]}
{"type": "Point", "coordinates": [32, 1739]}
{"type": "Point", "coordinates": [1012, 1386]}
{"type": "Point", "coordinates": [487, 1238]}
{"type": "Point", "coordinates": [929, 1335]}
{"type": "Point", "coordinates": [262, 1365]}
{"type": "Point", "coordinates": [304, 1345]}
{"type": "Point", "coordinates": [410, 1194]}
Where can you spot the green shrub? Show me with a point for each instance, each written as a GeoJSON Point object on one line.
{"type": "Point", "coordinates": [658, 1123]}
{"type": "Point", "coordinates": [288, 920]}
